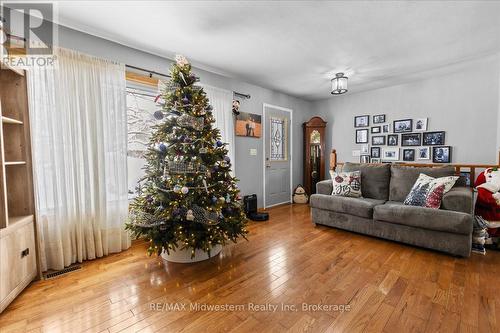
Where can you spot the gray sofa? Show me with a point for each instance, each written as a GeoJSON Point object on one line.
{"type": "Point", "coordinates": [381, 213]}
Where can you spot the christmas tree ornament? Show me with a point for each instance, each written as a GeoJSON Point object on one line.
{"type": "Point", "coordinates": [227, 159]}
{"type": "Point", "coordinates": [177, 189]}
{"type": "Point", "coordinates": [183, 78]}
{"type": "Point", "coordinates": [162, 147]}
{"type": "Point", "coordinates": [222, 199]}
{"type": "Point", "coordinates": [189, 215]}
{"type": "Point", "coordinates": [228, 198]}
{"type": "Point", "coordinates": [188, 121]}
{"type": "Point", "coordinates": [219, 143]}
{"type": "Point", "coordinates": [184, 190]}
{"type": "Point", "coordinates": [205, 185]}
{"type": "Point", "coordinates": [214, 199]}
{"type": "Point", "coordinates": [158, 115]}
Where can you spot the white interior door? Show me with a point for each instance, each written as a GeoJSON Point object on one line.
{"type": "Point", "coordinates": [277, 157]}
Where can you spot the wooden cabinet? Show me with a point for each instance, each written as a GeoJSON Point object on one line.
{"type": "Point", "coordinates": [18, 248]}
{"type": "Point", "coordinates": [18, 258]}
{"type": "Point", "coordinates": [314, 153]}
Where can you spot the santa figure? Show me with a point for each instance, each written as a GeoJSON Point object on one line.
{"type": "Point", "coordinates": [488, 199]}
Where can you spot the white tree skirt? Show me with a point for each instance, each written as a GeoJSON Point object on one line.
{"type": "Point", "coordinates": [184, 256]}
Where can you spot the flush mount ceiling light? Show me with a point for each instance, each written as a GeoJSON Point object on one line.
{"type": "Point", "coordinates": [339, 84]}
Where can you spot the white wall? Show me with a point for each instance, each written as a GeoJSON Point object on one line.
{"type": "Point", "coordinates": [464, 104]}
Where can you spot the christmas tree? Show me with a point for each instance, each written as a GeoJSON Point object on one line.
{"type": "Point", "coordinates": [188, 198]}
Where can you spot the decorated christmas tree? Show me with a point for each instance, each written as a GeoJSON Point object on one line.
{"type": "Point", "coordinates": [188, 198]}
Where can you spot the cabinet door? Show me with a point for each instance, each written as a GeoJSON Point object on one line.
{"type": "Point", "coordinates": [17, 261]}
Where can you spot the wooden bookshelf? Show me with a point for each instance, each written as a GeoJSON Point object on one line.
{"type": "Point", "coordinates": [18, 248]}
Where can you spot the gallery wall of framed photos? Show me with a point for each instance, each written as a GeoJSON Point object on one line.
{"type": "Point", "coordinates": [406, 140]}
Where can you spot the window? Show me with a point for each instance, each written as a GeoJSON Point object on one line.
{"type": "Point", "coordinates": [278, 139]}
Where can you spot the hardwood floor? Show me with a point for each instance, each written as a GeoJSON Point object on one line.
{"type": "Point", "coordinates": [389, 287]}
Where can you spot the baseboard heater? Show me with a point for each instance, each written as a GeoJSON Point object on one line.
{"type": "Point", "coordinates": [61, 272]}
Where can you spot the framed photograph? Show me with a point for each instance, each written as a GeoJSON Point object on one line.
{"type": "Point", "coordinates": [386, 128]}
{"type": "Point", "coordinates": [433, 138]}
{"type": "Point", "coordinates": [375, 160]}
{"type": "Point", "coordinates": [441, 154]}
{"type": "Point", "coordinates": [465, 175]}
{"type": "Point", "coordinates": [423, 153]}
{"type": "Point", "coordinates": [421, 124]}
{"type": "Point", "coordinates": [401, 126]}
{"type": "Point", "coordinates": [362, 136]}
{"type": "Point", "coordinates": [375, 152]}
{"type": "Point", "coordinates": [376, 129]}
{"type": "Point", "coordinates": [379, 119]}
{"type": "Point", "coordinates": [378, 140]}
{"type": "Point", "coordinates": [390, 154]}
{"type": "Point", "coordinates": [408, 155]}
{"type": "Point", "coordinates": [392, 139]}
{"type": "Point", "coordinates": [365, 150]}
{"type": "Point", "coordinates": [361, 121]}
{"type": "Point", "coordinates": [248, 124]}
{"type": "Point", "coordinates": [364, 159]}
{"type": "Point", "coordinates": [411, 139]}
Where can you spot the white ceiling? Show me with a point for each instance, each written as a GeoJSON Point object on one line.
{"type": "Point", "coordinates": [296, 46]}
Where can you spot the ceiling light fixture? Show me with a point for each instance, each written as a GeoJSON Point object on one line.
{"type": "Point", "coordinates": [339, 84]}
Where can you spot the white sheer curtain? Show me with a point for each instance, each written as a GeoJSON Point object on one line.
{"type": "Point", "coordinates": [222, 103]}
{"type": "Point", "coordinates": [79, 142]}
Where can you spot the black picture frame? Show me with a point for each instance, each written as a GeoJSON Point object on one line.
{"type": "Point", "coordinates": [375, 129]}
{"type": "Point", "coordinates": [379, 118]}
{"type": "Point", "coordinates": [436, 138]}
{"type": "Point", "coordinates": [377, 137]}
{"type": "Point", "coordinates": [409, 155]}
{"type": "Point", "coordinates": [367, 119]}
{"type": "Point", "coordinates": [408, 126]}
{"type": "Point", "coordinates": [356, 136]}
{"type": "Point", "coordinates": [393, 140]}
{"type": "Point", "coordinates": [407, 136]}
{"type": "Point", "coordinates": [441, 154]}
{"type": "Point", "coordinates": [375, 152]}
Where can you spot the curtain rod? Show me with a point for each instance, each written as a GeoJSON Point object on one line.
{"type": "Point", "coordinates": [166, 75]}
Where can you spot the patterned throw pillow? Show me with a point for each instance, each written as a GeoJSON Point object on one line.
{"type": "Point", "coordinates": [346, 184]}
{"type": "Point", "coordinates": [428, 191]}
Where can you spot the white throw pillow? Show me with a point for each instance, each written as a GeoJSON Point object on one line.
{"type": "Point", "coordinates": [346, 184]}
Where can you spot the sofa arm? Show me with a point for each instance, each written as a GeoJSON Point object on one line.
{"type": "Point", "coordinates": [324, 187]}
{"type": "Point", "coordinates": [458, 199]}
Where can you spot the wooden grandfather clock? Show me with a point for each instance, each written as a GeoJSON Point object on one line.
{"type": "Point", "coordinates": [314, 153]}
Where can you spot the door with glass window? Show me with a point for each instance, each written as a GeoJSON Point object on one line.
{"type": "Point", "coordinates": [277, 155]}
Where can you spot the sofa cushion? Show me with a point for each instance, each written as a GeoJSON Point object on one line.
{"type": "Point", "coordinates": [403, 178]}
{"type": "Point", "coordinates": [362, 207]}
{"type": "Point", "coordinates": [374, 179]}
{"type": "Point", "coordinates": [458, 199]}
{"type": "Point", "coordinates": [324, 187]}
{"type": "Point", "coordinates": [426, 218]}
